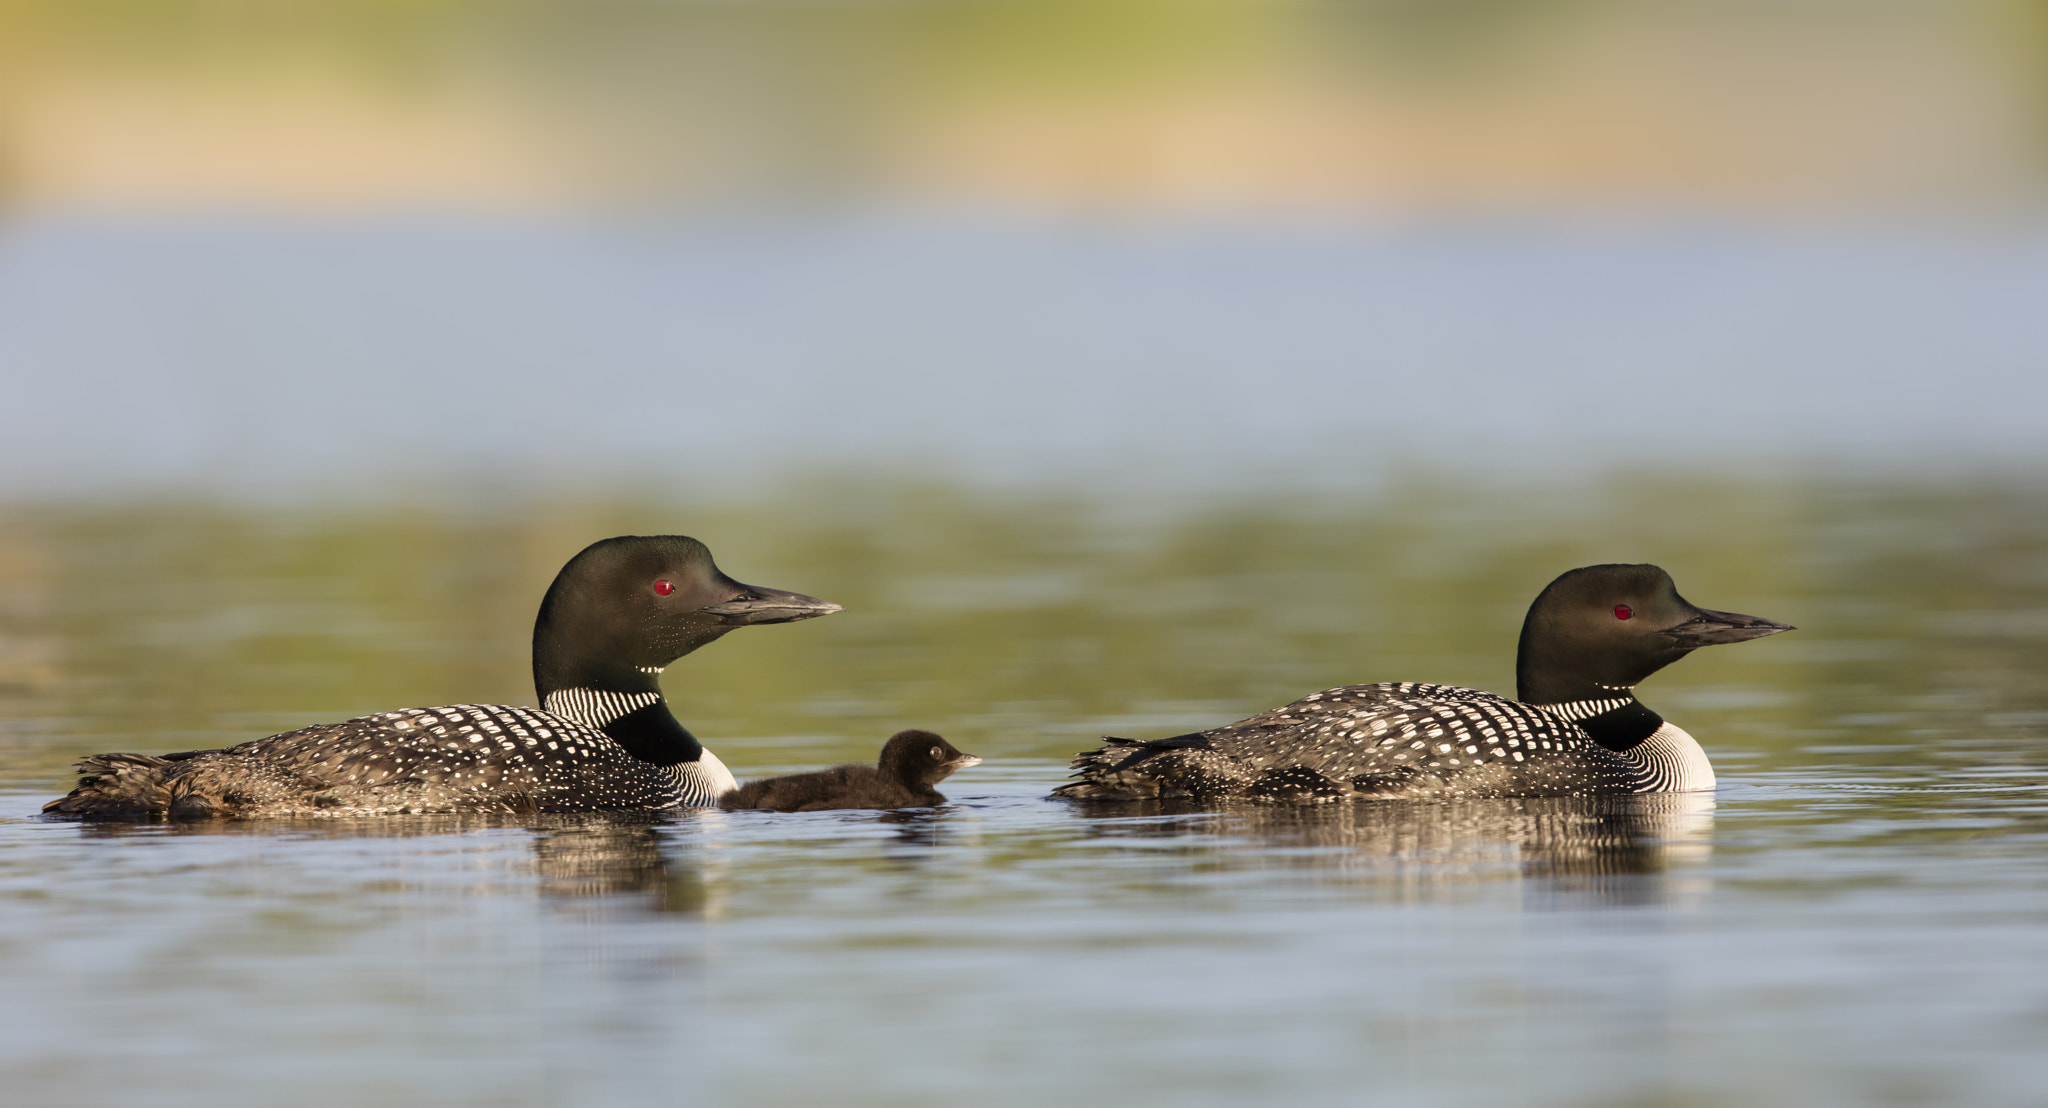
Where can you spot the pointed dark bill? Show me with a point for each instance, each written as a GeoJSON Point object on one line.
{"type": "Point", "coordinates": [1710, 628]}
{"type": "Point", "coordinates": [757, 605]}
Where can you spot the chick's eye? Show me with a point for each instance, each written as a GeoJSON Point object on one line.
{"type": "Point", "coordinates": [1623, 611]}
{"type": "Point", "coordinates": [937, 753]}
{"type": "Point", "coordinates": [663, 588]}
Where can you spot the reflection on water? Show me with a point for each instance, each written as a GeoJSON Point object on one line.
{"type": "Point", "coordinates": [914, 829]}
{"type": "Point", "coordinates": [608, 857]}
{"type": "Point", "coordinates": [625, 854]}
{"type": "Point", "coordinates": [1776, 939]}
{"type": "Point", "coordinates": [1547, 837]}
{"type": "Point", "coordinates": [583, 855]}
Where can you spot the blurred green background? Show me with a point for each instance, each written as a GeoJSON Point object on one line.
{"type": "Point", "coordinates": [1023, 626]}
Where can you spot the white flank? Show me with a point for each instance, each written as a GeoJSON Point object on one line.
{"type": "Point", "coordinates": [703, 781]}
{"type": "Point", "coordinates": [1672, 762]}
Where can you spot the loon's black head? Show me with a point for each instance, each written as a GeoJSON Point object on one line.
{"type": "Point", "coordinates": [625, 607]}
{"type": "Point", "coordinates": [1603, 628]}
{"type": "Point", "coordinates": [921, 759]}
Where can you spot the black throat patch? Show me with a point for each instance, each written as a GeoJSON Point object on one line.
{"type": "Point", "coordinates": [1621, 728]}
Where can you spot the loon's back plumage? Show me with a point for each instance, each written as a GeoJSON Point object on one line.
{"type": "Point", "coordinates": [457, 758]}
{"type": "Point", "coordinates": [1390, 740]}
{"type": "Point", "coordinates": [1405, 740]}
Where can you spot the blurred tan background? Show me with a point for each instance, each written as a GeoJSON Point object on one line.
{"type": "Point", "coordinates": [1384, 108]}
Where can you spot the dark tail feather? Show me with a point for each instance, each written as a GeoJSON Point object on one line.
{"type": "Point", "coordinates": [1110, 772]}
{"type": "Point", "coordinates": [117, 785]}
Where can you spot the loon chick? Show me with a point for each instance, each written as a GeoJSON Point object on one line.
{"type": "Point", "coordinates": [1577, 729]}
{"type": "Point", "coordinates": [911, 763]}
{"type": "Point", "coordinates": [602, 739]}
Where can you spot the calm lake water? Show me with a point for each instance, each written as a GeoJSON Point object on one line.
{"type": "Point", "coordinates": [1859, 915]}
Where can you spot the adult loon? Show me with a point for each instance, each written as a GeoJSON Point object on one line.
{"type": "Point", "coordinates": [603, 738]}
{"type": "Point", "coordinates": [912, 763]}
{"type": "Point", "coordinates": [1576, 728]}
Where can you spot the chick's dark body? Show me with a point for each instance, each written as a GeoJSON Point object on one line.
{"type": "Point", "coordinates": [912, 762]}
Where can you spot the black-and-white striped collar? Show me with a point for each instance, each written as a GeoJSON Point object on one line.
{"type": "Point", "coordinates": [1576, 710]}
{"type": "Point", "coordinates": [596, 707]}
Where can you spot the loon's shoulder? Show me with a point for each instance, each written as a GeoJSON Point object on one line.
{"type": "Point", "coordinates": [1358, 700]}
{"type": "Point", "coordinates": [1380, 710]}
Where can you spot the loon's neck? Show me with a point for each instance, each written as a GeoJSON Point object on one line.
{"type": "Point", "coordinates": [1669, 759]}
{"type": "Point", "coordinates": [1615, 720]}
{"type": "Point", "coordinates": [632, 711]}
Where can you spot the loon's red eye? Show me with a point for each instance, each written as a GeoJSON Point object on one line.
{"type": "Point", "coordinates": [664, 588]}
{"type": "Point", "coordinates": [1621, 611]}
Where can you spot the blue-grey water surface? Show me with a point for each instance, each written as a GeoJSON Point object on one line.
{"type": "Point", "coordinates": [279, 354]}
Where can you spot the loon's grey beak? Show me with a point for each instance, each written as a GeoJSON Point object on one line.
{"type": "Point", "coordinates": [763, 605]}
{"type": "Point", "coordinates": [954, 765]}
{"type": "Point", "coordinates": [1709, 628]}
